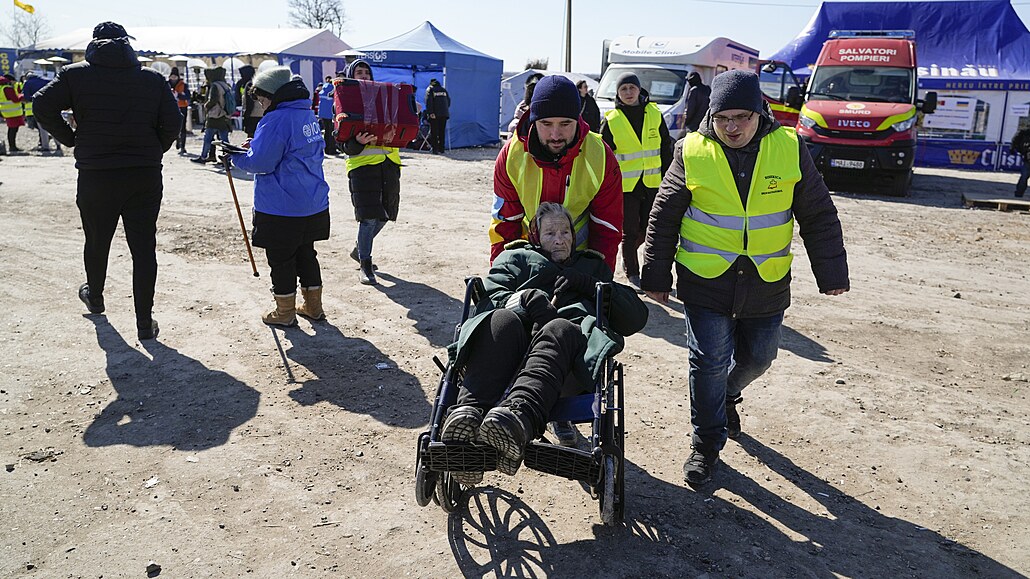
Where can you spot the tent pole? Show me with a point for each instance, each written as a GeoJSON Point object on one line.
{"type": "Point", "coordinates": [1001, 133]}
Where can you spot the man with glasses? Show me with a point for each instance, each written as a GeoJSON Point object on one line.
{"type": "Point", "coordinates": [725, 215]}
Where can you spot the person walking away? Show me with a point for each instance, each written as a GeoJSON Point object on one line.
{"type": "Point", "coordinates": [326, 108]}
{"type": "Point", "coordinates": [589, 110]}
{"type": "Point", "coordinates": [182, 98]}
{"type": "Point", "coordinates": [34, 82]}
{"type": "Point", "coordinates": [636, 131]}
{"type": "Point", "coordinates": [438, 107]}
{"type": "Point", "coordinates": [697, 101]}
{"type": "Point", "coordinates": [118, 153]}
{"type": "Point", "coordinates": [252, 111]}
{"type": "Point", "coordinates": [218, 117]}
{"type": "Point", "coordinates": [374, 178]}
{"type": "Point", "coordinates": [11, 111]}
{"type": "Point", "coordinates": [1021, 146]}
{"type": "Point", "coordinates": [291, 196]}
{"type": "Point", "coordinates": [725, 216]}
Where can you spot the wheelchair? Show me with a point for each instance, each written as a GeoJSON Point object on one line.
{"type": "Point", "coordinates": [601, 469]}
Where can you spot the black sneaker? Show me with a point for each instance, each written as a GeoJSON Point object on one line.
{"type": "Point", "coordinates": [95, 304]}
{"type": "Point", "coordinates": [565, 432]}
{"type": "Point", "coordinates": [698, 468]}
{"type": "Point", "coordinates": [354, 256]}
{"type": "Point", "coordinates": [148, 333]}
{"type": "Point", "coordinates": [461, 426]}
{"type": "Point", "coordinates": [732, 418]}
{"type": "Point", "coordinates": [503, 430]}
{"type": "Point", "coordinates": [200, 160]}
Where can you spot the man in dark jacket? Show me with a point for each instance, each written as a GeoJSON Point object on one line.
{"type": "Point", "coordinates": [1021, 146]}
{"type": "Point", "coordinates": [438, 107]}
{"type": "Point", "coordinates": [127, 118]}
{"type": "Point", "coordinates": [635, 131]}
{"type": "Point", "coordinates": [697, 101]}
{"type": "Point", "coordinates": [725, 214]}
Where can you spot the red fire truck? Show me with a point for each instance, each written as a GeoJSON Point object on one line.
{"type": "Point", "coordinates": [861, 109]}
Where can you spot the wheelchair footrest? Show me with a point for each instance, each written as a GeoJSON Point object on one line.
{"type": "Point", "coordinates": [460, 457]}
{"type": "Point", "coordinates": [570, 463]}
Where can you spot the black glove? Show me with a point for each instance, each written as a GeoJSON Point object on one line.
{"type": "Point", "coordinates": [573, 281]}
{"type": "Point", "coordinates": [538, 307]}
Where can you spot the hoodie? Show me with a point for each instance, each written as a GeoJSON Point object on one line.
{"type": "Point", "coordinates": [126, 115]}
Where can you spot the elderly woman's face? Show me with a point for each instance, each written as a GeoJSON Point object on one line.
{"type": "Point", "coordinates": [556, 237]}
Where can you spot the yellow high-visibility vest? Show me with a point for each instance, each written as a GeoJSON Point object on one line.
{"type": "Point", "coordinates": [638, 157]}
{"type": "Point", "coordinates": [371, 155]}
{"type": "Point", "coordinates": [8, 108]}
{"type": "Point", "coordinates": [717, 229]}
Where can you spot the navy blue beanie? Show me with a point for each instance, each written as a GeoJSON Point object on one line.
{"type": "Point", "coordinates": [554, 96]}
{"type": "Point", "coordinates": [736, 89]}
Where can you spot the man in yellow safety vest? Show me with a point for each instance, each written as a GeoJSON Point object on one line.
{"type": "Point", "coordinates": [637, 134]}
{"type": "Point", "coordinates": [725, 215]}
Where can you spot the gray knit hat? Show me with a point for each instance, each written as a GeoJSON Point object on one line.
{"type": "Point", "coordinates": [272, 79]}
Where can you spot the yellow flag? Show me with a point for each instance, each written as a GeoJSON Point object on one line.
{"type": "Point", "coordinates": [26, 7]}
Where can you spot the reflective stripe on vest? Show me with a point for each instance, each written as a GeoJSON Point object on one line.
{"type": "Point", "coordinates": [637, 158]}
{"type": "Point", "coordinates": [8, 108]}
{"type": "Point", "coordinates": [580, 187]}
{"type": "Point", "coordinates": [373, 156]}
{"type": "Point", "coordinates": [716, 229]}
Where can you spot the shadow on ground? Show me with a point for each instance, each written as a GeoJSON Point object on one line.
{"type": "Point", "coordinates": [434, 312]}
{"type": "Point", "coordinates": [350, 373]}
{"type": "Point", "coordinates": [673, 531]}
{"type": "Point", "coordinates": [171, 399]}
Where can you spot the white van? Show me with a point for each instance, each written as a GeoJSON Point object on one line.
{"type": "Point", "coordinates": [662, 65]}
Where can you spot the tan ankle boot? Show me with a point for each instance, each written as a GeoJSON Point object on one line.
{"type": "Point", "coordinates": [312, 306]}
{"type": "Point", "coordinates": [285, 312]}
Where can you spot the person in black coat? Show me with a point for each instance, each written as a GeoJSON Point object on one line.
{"type": "Point", "coordinates": [697, 101]}
{"type": "Point", "coordinates": [438, 107]}
{"type": "Point", "coordinates": [127, 117]}
{"type": "Point", "coordinates": [588, 108]}
{"type": "Point", "coordinates": [1021, 146]}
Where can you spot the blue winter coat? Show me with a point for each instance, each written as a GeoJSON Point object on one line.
{"type": "Point", "coordinates": [286, 155]}
{"type": "Point", "coordinates": [325, 101]}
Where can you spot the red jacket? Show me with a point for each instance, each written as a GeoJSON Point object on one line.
{"type": "Point", "coordinates": [605, 232]}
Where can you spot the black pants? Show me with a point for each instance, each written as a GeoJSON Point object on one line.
{"type": "Point", "coordinates": [289, 244]}
{"type": "Point", "coordinates": [290, 263]}
{"type": "Point", "coordinates": [635, 210]}
{"type": "Point", "coordinates": [327, 135]}
{"type": "Point", "coordinates": [12, 139]}
{"type": "Point", "coordinates": [134, 195]}
{"type": "Point", "coordinates": [180, 143]}
{"type": "Point", "coordinates": [542, 367]}
{"type": "Point", "coordinates": [437, 133]}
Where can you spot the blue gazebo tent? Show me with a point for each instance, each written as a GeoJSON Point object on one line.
{"type": "Point", "coordinates": [974, 54]}
{"type": "Point", "coordinates": [473, 79]}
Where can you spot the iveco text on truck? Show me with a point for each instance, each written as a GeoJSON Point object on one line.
{"type": "Point", "coordinates": [860, 112]}
{"type": "Point", "coordinates": [662, 65]}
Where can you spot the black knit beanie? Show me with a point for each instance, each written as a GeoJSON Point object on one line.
{"type": "Point", "coordinates": [627, 78]}
{"type": "Point", "coordinates": [735, 89]}
{"type": "Point", "coordinates": [554, 96]}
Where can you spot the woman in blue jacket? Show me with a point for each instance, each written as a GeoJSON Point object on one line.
{"type": "Point", "coordinates": [291, 196]}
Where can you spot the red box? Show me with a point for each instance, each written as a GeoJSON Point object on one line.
{"type": "Point", "coordinates": [385, 109]}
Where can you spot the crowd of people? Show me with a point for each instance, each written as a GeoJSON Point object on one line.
{"type": "Point", "coordinates": [571, 188]}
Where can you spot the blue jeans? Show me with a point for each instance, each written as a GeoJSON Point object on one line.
{"type": "Point", "coordinates": [1024, 173]}
{"type": "Point", "coordinates": [726, 354]}
{"type": "Point", "coordinates": [368, 229]}
{"type": "Point", "coordinates": [209, 135]}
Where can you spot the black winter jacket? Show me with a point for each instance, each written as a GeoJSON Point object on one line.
{"type": "Point", "coordinates": [126, 116]}
{"type": "Point", "coordinates": [438, 102]}
{"type": "Point", "coordinates": [740, 292]}
{"type": "Point", "coordinates": [698, 98]}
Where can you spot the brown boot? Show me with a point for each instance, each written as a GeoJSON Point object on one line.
{"type": "Point", "coordinates": [285, 312]}
{"type": "Point", "coordinates": [312, 306]}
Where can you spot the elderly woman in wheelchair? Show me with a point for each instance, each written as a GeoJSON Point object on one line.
{"type": "Point", "coordinates": [534, 339]}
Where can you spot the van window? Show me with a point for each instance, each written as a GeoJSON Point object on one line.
{"type": "Point", "coordinates": [862, 83]}
{"type": "Point", "coordinates": [664, 86]}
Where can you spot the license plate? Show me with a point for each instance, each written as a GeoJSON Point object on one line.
{"type": "Point", "coordinates": [847, 164]}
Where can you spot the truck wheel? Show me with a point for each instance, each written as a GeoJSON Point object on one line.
{"type": "Point", "coordinates": [901, 184]}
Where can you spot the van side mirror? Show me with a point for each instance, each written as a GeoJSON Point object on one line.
{"type": "Point", "coordinates": [794, 99]}
{"type": "Point", "coordinates": [929, 103]}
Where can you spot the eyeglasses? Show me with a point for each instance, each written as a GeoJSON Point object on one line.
{"type": "Point", "coordinates": [737, 120]}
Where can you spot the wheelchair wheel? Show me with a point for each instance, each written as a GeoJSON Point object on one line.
{"type": "Point", "coordinates": [448, 493]}
{"type": "Point", "coordinates": [425, 484]}
{"type": "Point", "coordinates": [608, 491]}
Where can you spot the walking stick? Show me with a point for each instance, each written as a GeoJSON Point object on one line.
{"type": "Point", "coordinates": [236, 201]}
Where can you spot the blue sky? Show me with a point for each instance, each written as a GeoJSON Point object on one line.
{"type": "Point", "coordinates": [512, 31]}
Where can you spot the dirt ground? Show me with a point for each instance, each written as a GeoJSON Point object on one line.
{"type": "Point", "coordinates": [890, 439]}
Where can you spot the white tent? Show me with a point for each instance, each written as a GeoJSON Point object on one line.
{"type": "Point", "coordinates": [513, 88]}
{"type": "Point", "coordinates": [309, 52]}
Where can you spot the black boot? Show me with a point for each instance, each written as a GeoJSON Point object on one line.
{"type": "Point", "coordinates": [732, 418]}
{"type": "Point", "coordinates": [354, 256]}
{"type": "Point", "coordinates": [367, 275]}
{"type": "Point", "coordinates": [700, 465]}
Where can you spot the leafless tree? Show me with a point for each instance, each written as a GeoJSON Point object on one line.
{"type": "Point", "coordinates": [318, 14]}
{"type": "Point", "coordinates": [24, 29]}
{"type": "Point", "coordinates": [537, 63]}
